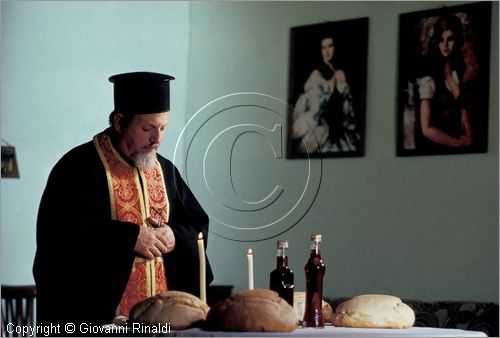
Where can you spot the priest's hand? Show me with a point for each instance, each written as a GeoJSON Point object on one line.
{"type": "Point", "coordinates": [153, 242]}
{"type": "Point", "coordinates": [165, 234]}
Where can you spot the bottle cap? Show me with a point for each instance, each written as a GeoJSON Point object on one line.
{"type": "Point", "coordinates": [316, 238]}
{"type": "Point", "coordinates": [282, 243]}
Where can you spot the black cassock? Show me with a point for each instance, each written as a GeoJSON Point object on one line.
{"type": "Point", "coordinates": [84, 258]}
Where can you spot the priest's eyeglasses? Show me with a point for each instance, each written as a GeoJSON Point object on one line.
{"type": "Point", "coordinates": [157, 214]}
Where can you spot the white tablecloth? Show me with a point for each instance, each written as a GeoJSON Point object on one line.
{"type": "Point", "coordinates": [327, 331]}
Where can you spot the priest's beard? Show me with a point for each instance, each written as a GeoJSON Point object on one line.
{"type": "Point", "coordinates": [145, 161]}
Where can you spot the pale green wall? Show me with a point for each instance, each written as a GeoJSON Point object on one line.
{"type": "Point", "coordinates": [55, 62]}
{"type": "Point", "coordinates": [417, 227]}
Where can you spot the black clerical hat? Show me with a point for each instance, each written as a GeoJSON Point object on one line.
{"type": "Point", "coordinates": [141, 92]}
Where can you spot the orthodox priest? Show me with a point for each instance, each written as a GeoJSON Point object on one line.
{"type": "Point", "coordinates": [116, 222]}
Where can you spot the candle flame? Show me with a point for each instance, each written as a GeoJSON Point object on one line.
{"type": "Point", "coordinates": [200, 235]}
{"type": "Point", "coordinates": [250, 252]}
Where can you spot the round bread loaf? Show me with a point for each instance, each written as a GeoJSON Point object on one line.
{"type": "Point", "coordinates": [178, 309]}
{"type": "Point", "coordinates": [258, 310]}
{"type": "Point", "coordinates": [299, 305]}
{"type": "Point", "coordinates": [374, 311]}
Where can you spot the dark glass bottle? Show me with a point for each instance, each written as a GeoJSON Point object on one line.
{"type": "Point", "coordinates": [315, 271]}
{"type": "Point", "coordinates": [281, 278]}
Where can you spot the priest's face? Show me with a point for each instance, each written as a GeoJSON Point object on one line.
{"type": "Point", "coordinates": [141, 138]}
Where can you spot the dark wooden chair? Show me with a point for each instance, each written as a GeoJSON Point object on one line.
{"type": "Point", "coordinates": [18, 308]}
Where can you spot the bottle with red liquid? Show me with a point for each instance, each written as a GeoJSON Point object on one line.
{"type": "Point", "coordinates": [315, 271]}
{"type": "Point", "coordinates": [281, 278]}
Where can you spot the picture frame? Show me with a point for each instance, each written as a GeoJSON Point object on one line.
{"type": "Point", "coordinates": [327, 89]}
{"type": "Point", "coordinates": [443, 80]}
{"type": "Point", "coordinates": [9, 162]}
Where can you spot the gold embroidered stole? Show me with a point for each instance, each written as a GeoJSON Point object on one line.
{"type": "Point", "coordinates": [135, 195]}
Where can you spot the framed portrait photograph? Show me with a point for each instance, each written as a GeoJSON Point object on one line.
{"type": "Point", "coordinates": [327, 89]}
{"type": "Point", "coordinates": [9, 162]}
{"type": "Point", "coordinates": [443, 80]}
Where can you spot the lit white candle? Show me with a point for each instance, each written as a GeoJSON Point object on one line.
{"type": "Point", "coordinates": [250, 269]}
{"type": "Point", "coordinates": [201, 256]}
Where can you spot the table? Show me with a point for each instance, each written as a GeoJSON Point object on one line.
{"type": "Point", "coordinates": [327, 331]}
